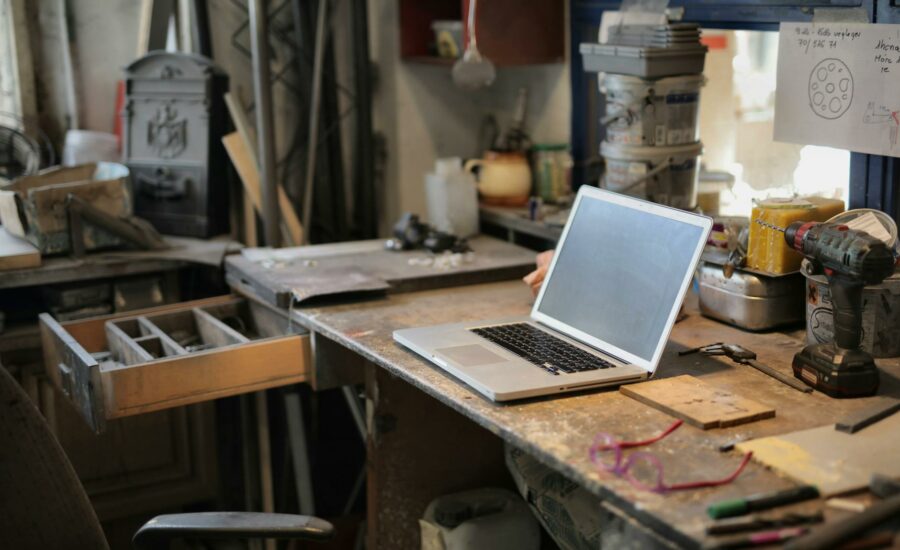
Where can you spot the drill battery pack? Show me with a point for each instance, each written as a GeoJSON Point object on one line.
{"type": "Point", "coordinates": [836, 372]}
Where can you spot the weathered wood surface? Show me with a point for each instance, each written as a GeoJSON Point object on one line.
{"type": "Point", "coordinates": [102, 265]}
{"type": "Point", "coordinates": [698, 403]}
{"type": "Point", "coordinates": [835, 462]}
{"type": "Point", "coordinates": [321, 270]}
{"type": "Point", "coordinates": [559, 430]}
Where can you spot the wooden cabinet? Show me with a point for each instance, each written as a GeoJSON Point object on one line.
{"type": "Point", "coordinates": [167, 457]}
{"type": "Point", "coordinates": [510, 32]}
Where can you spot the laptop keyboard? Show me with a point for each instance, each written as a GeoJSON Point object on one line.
{"type": "Point", "coordinates": [548, 352]}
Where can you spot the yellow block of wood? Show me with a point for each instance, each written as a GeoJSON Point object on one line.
{"type": "Point", "coordinates": [767, 251]}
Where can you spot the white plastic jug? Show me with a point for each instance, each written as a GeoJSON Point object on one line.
{"type": "Point", "coordinates": [85, 146]}
{"type": "Point", "coordinates": [452, 198]}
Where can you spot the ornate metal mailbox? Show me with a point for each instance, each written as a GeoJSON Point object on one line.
{"type": "Point", "coordinates": [173, 122]}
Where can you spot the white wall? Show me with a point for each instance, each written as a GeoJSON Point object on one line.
{"type": "Point", "coordinates": [103, 35]}
{"type": "Point", "coordinates": [418, 109]}
{"type": "Point", "coordinates": [424, 116]}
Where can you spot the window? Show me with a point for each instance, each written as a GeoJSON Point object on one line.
{"type": "Point", "coordinates": [737, 113]}
{"type": "Point", "coordinates": [873, 179]}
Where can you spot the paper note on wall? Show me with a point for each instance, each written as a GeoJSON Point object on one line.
{"type": "Point", "coordinates": [839, 85]}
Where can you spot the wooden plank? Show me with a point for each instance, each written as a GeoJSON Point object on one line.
{"type": "Point", "coordinates": [250, 236]}
{"type": "Point", "coordinates": [697, 402]}
{"type": "Point", "coordinates": [241, 124]}
{"type": "Point", "coordinates": [204, 376]}
{"type": "Point", "coordinates": [836, 462]}
{"type": "Point", "coordinates": [248, 173]}
{"type": "Point", "coordinates": [249, 205]}
{"type": "Point", "coordinates": [16, 253]}
{"type": "Point", "coordinates": [293, 227]}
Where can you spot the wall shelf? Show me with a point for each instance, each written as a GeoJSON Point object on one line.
{"type": "Point", "coordinates": [510, 32]}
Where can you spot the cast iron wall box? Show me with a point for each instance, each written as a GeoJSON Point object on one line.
{"type": "Point", "coordinates": [173, 121]}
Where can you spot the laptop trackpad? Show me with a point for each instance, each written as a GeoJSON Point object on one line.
{"type": "Point", "coordinates": [471, 355]}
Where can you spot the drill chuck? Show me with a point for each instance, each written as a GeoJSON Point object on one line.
{"type": "Point", "coordinates": [841, 251]}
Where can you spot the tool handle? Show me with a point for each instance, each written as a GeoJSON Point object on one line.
{"type": "Point", "coordinates": [833, 534]}
{"type": "Point", "coordinates": [784, 379]}
{"type": "Point", "coordinates": [846, 301]}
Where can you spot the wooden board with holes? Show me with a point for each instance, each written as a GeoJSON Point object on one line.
{"type": "Point", "coordinates": [697, 402]}
{"type": "Point", "coordinates": [836, 462]}
{"type": "Point", "coordinates": [16, 253]}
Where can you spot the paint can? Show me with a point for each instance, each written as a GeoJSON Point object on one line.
{"type": "Point", "coordinates": [664, 175]}
{"type": "Point", "coordinates": [880, 314]}
{"type": "Point", "coordinates": [658, 112]}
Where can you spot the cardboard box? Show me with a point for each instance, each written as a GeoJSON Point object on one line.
{"type": "Point", "coordinates": [34, 207]}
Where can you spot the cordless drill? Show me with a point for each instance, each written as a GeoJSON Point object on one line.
{"type": "Point", "coordinates": [850, 260]}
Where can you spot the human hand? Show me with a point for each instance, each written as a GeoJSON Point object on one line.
{"type": "Point", "coordinates": [536, 278]}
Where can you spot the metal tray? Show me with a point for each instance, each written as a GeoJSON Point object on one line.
{"type": "Point", "coordinates": [641, 61]}
{"type": "Point", "coordinates": [751, 301]}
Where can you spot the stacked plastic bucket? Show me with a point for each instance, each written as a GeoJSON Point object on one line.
{"type": "Point", "coordinates": [652, 145]}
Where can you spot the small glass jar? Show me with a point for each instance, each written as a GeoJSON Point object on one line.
{"type": "Point", "coordinates": [552, 169]}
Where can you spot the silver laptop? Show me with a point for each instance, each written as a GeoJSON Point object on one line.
{"type": "Point", "coordinates": [603, 315]}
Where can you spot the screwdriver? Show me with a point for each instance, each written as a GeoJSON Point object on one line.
{"type": "Point", "coordinates": [744, 356]}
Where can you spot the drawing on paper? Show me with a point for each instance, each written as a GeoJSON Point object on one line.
{"type": "Point", "coordinates": [886, 116]}
{"type": "Point", "coordinates": [830, 88]}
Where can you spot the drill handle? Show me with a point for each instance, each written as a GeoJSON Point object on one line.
{"type": "Point", "coordinates": [846, 302]}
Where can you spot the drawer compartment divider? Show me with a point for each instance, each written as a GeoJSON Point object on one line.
{"type": "Point", "coordinates": [170, 346]}
{"type": "Point", "coordinates": [124, 347]}
{"type": "Point", "coordinates": [215, 332]}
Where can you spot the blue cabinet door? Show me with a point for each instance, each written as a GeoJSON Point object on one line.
{"type": "Point", "coordinates": [888, 11]}
{"type": "Point", "coordinates": [732, 14]}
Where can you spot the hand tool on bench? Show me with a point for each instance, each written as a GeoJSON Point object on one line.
{"type": "Point", "coordinates": [833, 534]}
{"type": "Point", "coordinates": [744, 356]}
{"type": "Point", "coordinates": [758, 522]}
{"type": "Point", "coordinates": [763, 501]}
{"type": "Point", "coordinates": [850, 260]}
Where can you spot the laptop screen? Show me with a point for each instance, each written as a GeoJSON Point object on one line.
{"type": "Point", "coordinates": [620, 271]}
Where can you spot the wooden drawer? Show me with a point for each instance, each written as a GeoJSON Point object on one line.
{"type": "Point", "coordinates": [149, 360]}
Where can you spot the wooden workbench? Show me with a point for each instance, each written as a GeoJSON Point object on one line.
{"type": "Point", "coordinates": [433, 447]}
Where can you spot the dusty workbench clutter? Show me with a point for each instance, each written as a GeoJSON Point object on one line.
{"type": "Point", "coordinates": [472, 354]}
{"type": "Point", "coordinates": [182, 251]}
{"type": "Point", "coordinates": [559, 431]}
{"type": "Point", "coordinates": [290, 275]}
